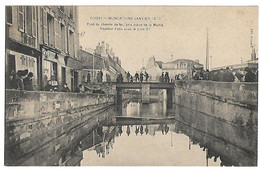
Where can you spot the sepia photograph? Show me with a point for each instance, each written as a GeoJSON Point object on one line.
{"type": "Point", "coordinates": [141, 85]}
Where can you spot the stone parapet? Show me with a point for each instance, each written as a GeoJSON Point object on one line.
{"type": "Point", "coordinates": [236, 103]}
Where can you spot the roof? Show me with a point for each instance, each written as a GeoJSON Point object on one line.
{"type": "Point", "coordinates": [159, 63]}
{"type": "Point", "coordinates": [183, 60]}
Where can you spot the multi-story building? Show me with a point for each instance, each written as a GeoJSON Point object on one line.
{"type": "Point", "coordinates": [181, 66]}
{"type": "Point", "coordinates": [22, 41]}
{"type": "Point", "coordinates": [43, 39]}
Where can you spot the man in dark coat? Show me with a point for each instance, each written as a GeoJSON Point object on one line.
{"type": "Point", "coordinates": [250, 76]}
{"type": "Point", "coordinates": [101, 76]}
{"type": "Point", "coordinates": [136, 77]}
{"type": "Point", "coordinates": [141, 77]}
{"type": "Point", "coordinates": [21, 74]}
{"type": "Point", "coordinates": [65, 88]}
{"type": "Point", "coordinates": [28, 83]}
{"type": "Point", "coordinates": [88, 77]}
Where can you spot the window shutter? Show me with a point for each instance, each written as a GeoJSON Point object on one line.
{"type": "Point", "coordinates": [56, 42]}
{"type": "Point", "coordinates": [28, 20]}
{"type": "Point", "coordinates": [57, 34]}
{"type": "Point", "coordinates": [21, 18]}
{"type": "Point", "coordinates": [34, 25]}
{"type": "Point", "coordinates": [45, 29]}
{"type": "Point", "coordinates": [66, 39]}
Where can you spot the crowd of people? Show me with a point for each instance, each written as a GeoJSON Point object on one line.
{"type": "Point", "coordinates": [136, 78]}
{"type": "Point", "coordinates": [228, 75]}
{"type": "Point", "coordinates": [21, 80]}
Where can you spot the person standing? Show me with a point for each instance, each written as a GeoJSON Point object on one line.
{"type": "Point", "coordinates": [146, 76]}
{"type": "Point", "coordinates": [128, 76]}
{"type": "Point", "coordinates": [65, 88]}
{"type": "Point", "coordinates": [136, 77]}
{"type": "Point", "coordinates": [250, 76]}
{"type": "Point", "coordinates": [162, 77]}
{"type": "Point", "coordinates": [141, 77]}
{"type": "Point", "coordinates": [28, 83]}
{"type": "Point", "coordinates": [98, 76]}
{"type": "Point", "coordinates": [79, 89]}
{"type": "Point", "coordinates": [167, 78]}
{"type": "Point", "coordinates": [101, 75]}
{"type": "Point", "coordinates": [131, 78]}
{"type": "Point", "coordinates": [88, 77]}
{"type": "Point", "coordinates": [21, 74]}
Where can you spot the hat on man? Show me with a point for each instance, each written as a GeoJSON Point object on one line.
{"type": "Point", "coordinates": [21, 73]}
{"type": "Point", "coordinates": [30, 74]}
{"type": "Point", "coordinates": [25, 71]}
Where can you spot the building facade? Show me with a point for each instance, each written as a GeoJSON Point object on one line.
{"type": "Point", "coordinates": [180, 67]}
{"type": "Point", "coordinates": [44, 40]}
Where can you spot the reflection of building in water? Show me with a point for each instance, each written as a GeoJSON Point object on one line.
{"type": "Point", "coordinates": [136, 109]}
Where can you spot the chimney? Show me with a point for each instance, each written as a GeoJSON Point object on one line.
{"type": "Point", "coordinates": [197, 61]}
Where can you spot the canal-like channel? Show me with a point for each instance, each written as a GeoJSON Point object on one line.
{"type": "Point", "coordinates": [148, 134]}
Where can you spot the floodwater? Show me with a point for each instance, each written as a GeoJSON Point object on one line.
{"type": "Point", "coordinates": [146, 135]}
{"type": "Point", "coordinates": [149, 135]}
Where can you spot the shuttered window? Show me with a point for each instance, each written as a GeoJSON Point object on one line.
{"type": "Point", "coordinates": [45, 29]}
{"type": "Point", "coordinates": [28, 21]}
{"type": "Point", "coordinates": [57, 34]}
{"type": "Point", "coordinates": [21, 18]}
{"type": "Point", "coordinates": [51, 31]}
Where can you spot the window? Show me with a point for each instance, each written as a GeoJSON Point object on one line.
{"type": "Point", "coordinates": [63, 37]}
{"type": "Point", "coordinates": [57, 34]}
{"type": "Point", "coordinates": [28, 20]}
{"type": "Point", "coordinates": [44, 26]}
{"type": "Point", "coordinates": [9, 15]}
{"type": "Point", "coordinates": [50, 29]}
{"type": "Point", "coordinates": [71, 43]}
{"type": "Point", "coordinates": [21, 18]}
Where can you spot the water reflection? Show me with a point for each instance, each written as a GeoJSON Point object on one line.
{"type": "Point", "coordinates": [191, 139]}
{"type": "Point", "coordinates": [194, 140]}
{"type": "Point", "coordinates": [137, 109]}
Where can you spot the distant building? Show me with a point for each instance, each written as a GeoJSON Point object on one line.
{"type": "Point", "coordinates": [153, 68]}
{"type": "Point", "coordinates": [104, 59]}
{"type": "Point", "coordinates": [180, 66]}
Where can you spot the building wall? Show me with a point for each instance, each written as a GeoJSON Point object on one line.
{"type": "Point", "coordinates": [46, 116]}
{"type": "Point", "coordinates": [50, 30]}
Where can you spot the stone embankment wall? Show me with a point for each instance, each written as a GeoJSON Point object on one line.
{"type": "Point", "coordinates": [235, 103]}
{"type": "Point", "coordinates": [33, 119]}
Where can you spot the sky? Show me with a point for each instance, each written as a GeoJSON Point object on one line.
{"type": "Point", "coordinates": [183, 34]}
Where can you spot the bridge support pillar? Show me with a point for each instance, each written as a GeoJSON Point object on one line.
{"type": "Point", "coordinates": [118, 100]}
{"type": "Point", "coordinates": [169, 97]}
{"type": "Point", "coordinates": [145, 93]}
